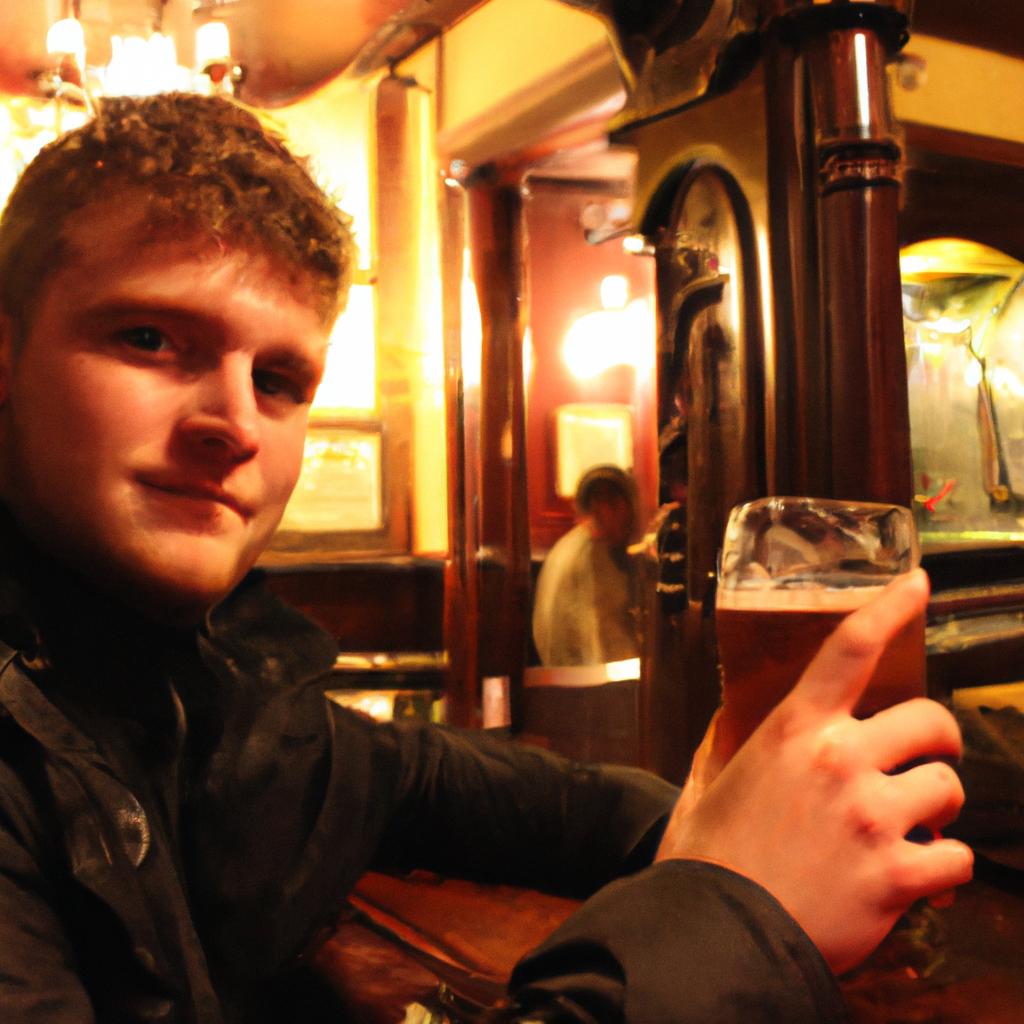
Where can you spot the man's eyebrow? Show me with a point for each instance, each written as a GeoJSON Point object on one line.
{"type": "Point", "coordinates": [114, 308]}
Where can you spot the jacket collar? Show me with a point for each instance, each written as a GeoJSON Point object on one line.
{"type": "Point", "coordinates": [55, 619]}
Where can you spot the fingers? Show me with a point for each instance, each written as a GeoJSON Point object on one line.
{"type": "Point", "coordinates": [929, 868]}
{"type": "Point", "coordinates": [910, 731]}
{"type": "Point", "coordinates": [841, 670]}
{"type": "Point", "coordinates": [930, 795]}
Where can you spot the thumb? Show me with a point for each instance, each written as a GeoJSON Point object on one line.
{"type": "Point", "coordinates": [840, 672]}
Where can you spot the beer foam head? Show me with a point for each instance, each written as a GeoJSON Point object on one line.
{"type": "Point", "coordinates": [802, 599]}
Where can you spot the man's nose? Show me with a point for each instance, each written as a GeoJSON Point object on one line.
{"type": "Point", "coordinates": [224, 417]}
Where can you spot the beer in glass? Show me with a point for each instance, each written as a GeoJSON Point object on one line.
{"type": "Point", "coordinates": [791, 570]}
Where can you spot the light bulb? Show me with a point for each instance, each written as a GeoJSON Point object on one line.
{"type": "Point", "coordinates": [213, 44]}
{"type": "Point", "coordinates": [66, 36]}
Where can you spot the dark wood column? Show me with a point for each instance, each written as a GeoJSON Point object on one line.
{"type": "Point", "coordinates": [461, 591]}
{"type": "Point", "coordinates": [840, 370]}
{"type": "Point", "coordinates": [503, 557]}
{"type": "Point", "coordinates": [395, 225]}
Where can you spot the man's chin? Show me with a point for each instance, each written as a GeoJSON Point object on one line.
{"type": "Point", "coordinates": [169, 600]}
{"type": "Point", "coordinates": [176, 592]}
{"type": "Point", "coordinates": [167, 575]}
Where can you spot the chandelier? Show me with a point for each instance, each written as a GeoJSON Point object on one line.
{"type": "Point", "coordinates": [134, 48]}
{"type": "Point", "coordinates": [141, 63]}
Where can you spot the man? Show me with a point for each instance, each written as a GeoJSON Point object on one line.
{"type": "Point", "coordinates": [180, 810]}
{"type": "Point", "coordinates": [582, 607]}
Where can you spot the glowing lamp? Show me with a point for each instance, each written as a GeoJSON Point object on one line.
{"type": "Point", "coordinates": [66, 36]}
{"type": "Point", "coordinates": [213, 44]}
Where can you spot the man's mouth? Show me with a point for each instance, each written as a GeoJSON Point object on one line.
{"type": "Point", "coordinates": [197, 491]}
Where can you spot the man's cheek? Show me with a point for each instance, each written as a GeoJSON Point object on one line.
{"type": "Point", "coordinates": [298, 451]}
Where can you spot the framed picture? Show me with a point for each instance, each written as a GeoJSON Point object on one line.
{"type": "Point", "coordinates": [589, 434]}
{"type": "Point", "coordinates": [340, 504]}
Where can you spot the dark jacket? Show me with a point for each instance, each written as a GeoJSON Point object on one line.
{"type": "Point", "coordinates": [181, 810]}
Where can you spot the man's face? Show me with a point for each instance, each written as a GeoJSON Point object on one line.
{"type": "Point", "coordinates": [154, 415]}
{"type": "Point", "coordinates": [614, 518]}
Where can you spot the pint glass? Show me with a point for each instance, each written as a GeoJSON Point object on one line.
{"type": "Point", "coordinates": [791, 569]}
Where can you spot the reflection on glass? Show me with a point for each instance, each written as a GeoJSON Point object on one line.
{"type": "Point", "coordinates": [963, 317]}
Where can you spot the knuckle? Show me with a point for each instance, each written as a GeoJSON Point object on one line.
{"type": "Point", "coordinates": [835, 753]}
{"type": "Point", "coordinates": [784, 725]}
{"type": "Point", "coordinates": [925, 708]}
{"type": "Point", "coordinates": [870, 830]}
{"type": "Point", "coordinates": [867, 819]}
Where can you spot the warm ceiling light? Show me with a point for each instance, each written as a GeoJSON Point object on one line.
{"type": "Point", "coordinates": [143, 67]}
{"type": "Point", "coordinates": [139, 65]}
{"type": "Point", "coordinates": [637, 245]}
{"type": "Point", "coordinates": [65, 41]}
{"type": "Point", "coordinates": [213, 57]}
{"type": "Point", "coordinates": [213, 44]}
{"type": "Point", "coordinates": [66, 36]}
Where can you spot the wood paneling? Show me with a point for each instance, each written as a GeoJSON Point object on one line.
{"type": "Point", "coordinates": [371, 606]}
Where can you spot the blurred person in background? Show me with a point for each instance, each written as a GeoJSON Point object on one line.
{"type": "Point", "coordinates": [584, 605]}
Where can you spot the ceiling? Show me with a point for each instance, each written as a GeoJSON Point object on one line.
{"type": "Point", "coordinates": [990, 25]}
{"type": "Point", "coordinates": [287, 47]}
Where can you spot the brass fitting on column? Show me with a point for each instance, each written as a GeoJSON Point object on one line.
{"type": "Point", "coordinates": [846, 44]}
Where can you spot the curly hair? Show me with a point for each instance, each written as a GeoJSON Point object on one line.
{"type": "Point", "coordinates": [206, 166]}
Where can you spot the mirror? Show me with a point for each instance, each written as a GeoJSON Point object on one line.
{"type": "Point", "coordinates": [590, 406]}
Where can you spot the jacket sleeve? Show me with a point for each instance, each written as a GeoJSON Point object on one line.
{"type": "Point", "coordinates": [304, 796]}
{"type": "Point", "coordinates": [677, 942]}
{"type": "Point", "coordinates": [478, 806]}
{"type": "Point", "coordinates": [681, 942]}
{"type": "Point", "coordinates": [657, 944]}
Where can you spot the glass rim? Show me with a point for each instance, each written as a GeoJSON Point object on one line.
{"type": "Point", "coordinates": [839, 581]}
{"type": "Point", "coordinates": [837, 503]}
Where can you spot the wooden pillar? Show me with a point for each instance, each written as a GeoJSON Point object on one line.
{"type": "Point", "coordinates": [462, 602]}
{"type": "Point", "coordinates": [798, 447]}
{"type": "Point", "coordinates": [842, 422]}
{"type": "Point", "coordinates": [397, 242]}
{"type": "Point", "coordinates": [503, 559]}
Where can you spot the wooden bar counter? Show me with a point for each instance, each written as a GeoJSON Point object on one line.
{"type": "Point", "coordinates": [449, 945]}
{"type": "Point", "coordinates": [958, 964]}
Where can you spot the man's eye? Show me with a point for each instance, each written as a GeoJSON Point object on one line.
{"type": "Point", "coordinates": [277, 385]}
{"type": "Point", "coordinates": [145, 339]}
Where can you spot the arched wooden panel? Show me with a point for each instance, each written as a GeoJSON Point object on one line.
{"type": "Point", "coordinates": [710, 386]}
